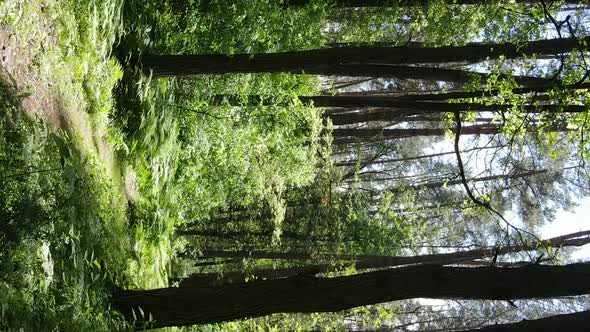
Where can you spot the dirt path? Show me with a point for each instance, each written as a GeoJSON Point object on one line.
{"type": "Point", "coordinates": [20, 56]}
{"type": "Point", "coordinates": [17, 55]}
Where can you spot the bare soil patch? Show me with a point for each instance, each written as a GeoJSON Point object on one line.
{"type": "Point", "coordinates": [17, 59]}
{"type": "Point", "coordinates": [38, 95]}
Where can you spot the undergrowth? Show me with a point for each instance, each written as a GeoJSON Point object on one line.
{"type": "Point", "coordinates": [66, 242]}
{"type": "Point", "coordinates": [91, 207]}
{"type": "Point", "coordinates": [193, 158]}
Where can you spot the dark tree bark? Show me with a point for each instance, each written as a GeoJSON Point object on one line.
{"type": "Point", "coordinates": [204, 279]}
{"type": "Point", "coordinates": [348, 136]}
{"type": "Point", "coordinates": [471, 257]}
{"type": "Point", "coordinates": [398, 115]}
{"type": "Point", "coordinates": [373, 262]}
{"type": "Point", "coordinates": [417, 73]}
{"type": "Point", "coordinates": [244, 254]}
{"type": "Point", "coordinates": [574, 322]}
{"type": "Point", "coordinates": [332, 61]}
{"type": "Point", "coordinates": [199, 305]}
{"type": "Point", "coordinates": [374, 70]}
{"type": "Point", "coordinates": [459, 94]}
{"type": "Point", "coordinates": [391, 107]}
{"type": "Point", "coordinates": [237, 235]}
{"type": "Point", "coordinates": [394, 102]}
{"type": "Point", "coordinates": [410, 3]}
{"type": "Point", "coordinates": [213, 263]}
{"type": "Point", "coordinates": [427, 156]}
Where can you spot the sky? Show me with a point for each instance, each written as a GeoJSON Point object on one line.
{"type": "Point", "coordinates": [570, 222]}
{"type": "Point", "coordinates": [565, 222]}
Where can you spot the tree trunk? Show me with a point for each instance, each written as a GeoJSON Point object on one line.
{"type": "Point", "coordinates": [398, 113]}
{"type": "Point", "coordinates": [204, 279]}
{"type": "Point", "coordinates": [373, 70]}
{"type": "Point", "coordinates": [574, 322]}
{"type": "Point", "coordinates": [372, 261]}
{"type": "Point", "coordinates": [237, 235]}
{"type": "Point", "coordinates": [395, 102]}
{"type": "Point", "coordinates": [215, 278]}
{"type": "Point", "coordinates": [348, 136]}
{"type": "Point", "coordinates": [332, 61]}
{"type": "Point", "coordinates": [200, 305]}
{"type": "Point", "coordinates": [411, 3]}
{"type": "Point", "coordinates": [389, 115]}
{"type": "Point", "coordinates": [485, 93]}
{"type": "Point", "coordinates": [441, 184]}
{"type": "Point", "coordinates": [392, 107]}
{"type": "Point", "coordinates": [418, 73]}
{"type": "Point", "coordinates": [427, 156]}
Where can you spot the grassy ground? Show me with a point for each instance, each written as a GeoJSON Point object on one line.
{"type": "Point", "coordinates": [66, 192]}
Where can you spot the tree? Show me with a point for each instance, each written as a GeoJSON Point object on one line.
{"type": "Point", "coordinates": [330, 61]}
{"type": "Point", "coordinates": [399, 3]}
{"type": "Point", "coordinates": [377, 159]}
{"type": "Point", "coordinates": [467, 257]}
{"type": "Point", "coordinates": [347, 136]}
{"type": "Point", "coordinates": [473, 316]}
{"type": "Point", "coordinates": [374, 262]}
{"type": "Point", "coordinates": [402, 102]}
{"type": "Point", "coordinates": [554, 85]}
{"type": "Point", "coordinates": [577, 321]}
{"type": "Point", "coordinates": [197, 305]}
{"type": "Point", "coordinates": [379, 67]}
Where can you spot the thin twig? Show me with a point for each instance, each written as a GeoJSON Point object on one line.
{"type": "Point", "coordinates": [477, 201]}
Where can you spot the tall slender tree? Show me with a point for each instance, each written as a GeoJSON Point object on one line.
{"type": "Point", "coordinates": [400, 3]}
{"type": "Point", "coordinates": [348, 136]}
{"type": "Point", "coordinates": [330, 61]}
{"type": "Point", "coordinates": [304, 293]}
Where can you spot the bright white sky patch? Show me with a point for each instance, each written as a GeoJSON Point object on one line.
{"type": "Point", "coordinates": [571, 222]}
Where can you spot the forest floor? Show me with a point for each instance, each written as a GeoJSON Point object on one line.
{"type": "Point", "coordinates": [56, 67]}
{"type": "Point", "coordinates": [28, 56]}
